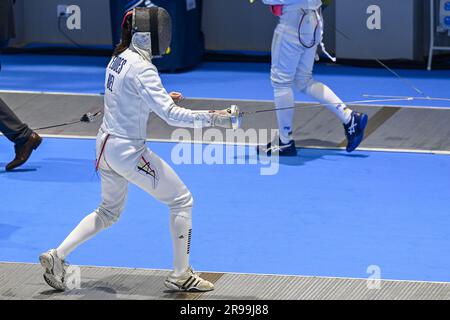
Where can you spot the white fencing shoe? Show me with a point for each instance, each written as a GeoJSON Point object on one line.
{"type": "Point", "coordinates": [188, 281]}
{"type": "Point", "coordinates": [55, 269]}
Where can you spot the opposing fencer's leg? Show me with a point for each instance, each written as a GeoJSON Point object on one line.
{"type": "Point", "coordinates": [318, 91]}
{"type": "Point", "coordinates": [286, 54]}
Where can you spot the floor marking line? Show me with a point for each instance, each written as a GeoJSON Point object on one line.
{"type": "Point", "coordinates": [218, 274]}
{"type": "Point", "coordinates": [51, 93]}
{"type": "Point", "coordinates": [223, 99]}
{"type": "Point", "coordinates": [368, 149]}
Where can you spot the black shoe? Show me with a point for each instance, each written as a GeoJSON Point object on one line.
{"type": "Point", "coordinates": [354, 130]}
{"type": "Point", "coordinates": [282, 149]}
{"type": "Point", "coordinates": [23, 152]}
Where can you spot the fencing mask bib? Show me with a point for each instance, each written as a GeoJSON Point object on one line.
{"type": "Point", "coordinates": [152, 31]}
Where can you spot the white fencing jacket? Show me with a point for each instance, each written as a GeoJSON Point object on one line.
{"type": "Point", "coordinates": [304, 4]}
{"type": "Point", "coordinates": [133, 90]}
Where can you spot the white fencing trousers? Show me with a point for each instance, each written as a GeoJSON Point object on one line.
{"type": "Point", "coordinates": [292, 67]}
{"type": "Point", "coordinates": [123, 161]}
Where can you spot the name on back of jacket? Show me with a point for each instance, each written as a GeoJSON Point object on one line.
{"type": "Point", "coordinates": [117, 64]}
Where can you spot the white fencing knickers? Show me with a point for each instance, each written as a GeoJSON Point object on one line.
{"type": "Point", "coordinates": [119, 162]}
{"type": "Point", "coordinates": [294, 49]}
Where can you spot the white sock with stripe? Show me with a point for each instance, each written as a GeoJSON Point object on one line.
{"type": "Point", "coordinates": [181, 231]}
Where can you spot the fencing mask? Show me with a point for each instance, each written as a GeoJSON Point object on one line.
{"type": "Point", "coordinates": [152, 31]}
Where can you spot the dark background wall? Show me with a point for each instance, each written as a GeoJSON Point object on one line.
{"type": "Point", "coordinates": [37, 23]}
{"type": "Point", "coordinates": [238, 26]}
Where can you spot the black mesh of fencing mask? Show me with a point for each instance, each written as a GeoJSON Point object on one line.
{"type": "Point", "coordinates": [157, 22]}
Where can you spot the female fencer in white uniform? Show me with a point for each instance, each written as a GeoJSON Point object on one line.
{"type": "Point", "coordinates": [133, 90]}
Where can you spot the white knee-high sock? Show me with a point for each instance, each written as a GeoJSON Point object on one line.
{"type": "Point", "coordinates": [325, 95]}
{"type": "Point", "coordinates": [181, 231]}
{"type": "Point", "coordinates": [284, 98]}
{"type": "Point", "coordinates": [86, 229]}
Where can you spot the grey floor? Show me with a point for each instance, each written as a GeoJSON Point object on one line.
{"type": "Point", "coordinates": [24, 281]}
{"type": "Point", "coordinates": [389, 128]}
{"type": "Point", "coordinates": [392, 128]}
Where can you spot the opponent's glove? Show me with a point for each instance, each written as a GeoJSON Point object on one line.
{"type": "Point", "coordinates": [229, 118]}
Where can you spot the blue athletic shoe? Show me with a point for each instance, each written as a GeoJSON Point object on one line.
{"type": "Point", "coordinates": [283, 149]}
{"type": "Point", "coordinates": [354, 130]}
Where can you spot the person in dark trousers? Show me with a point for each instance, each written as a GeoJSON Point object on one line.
{"type": "Point", "coordinates": [25, 140]}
